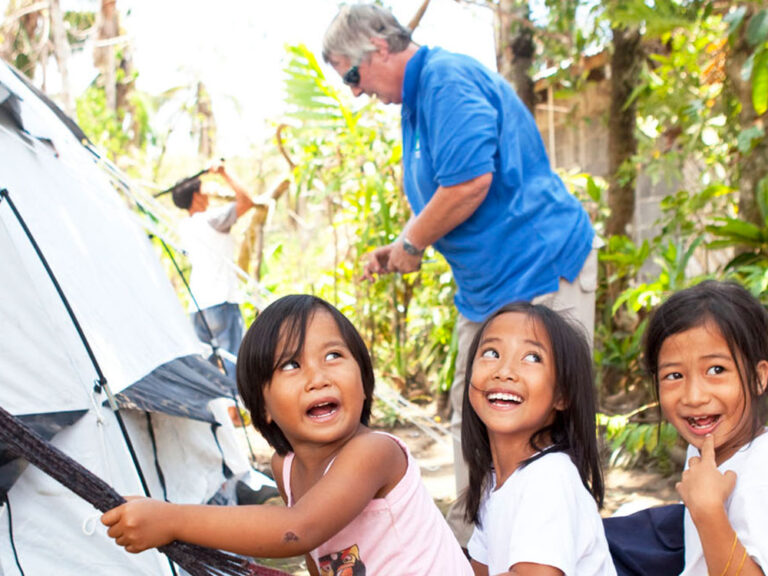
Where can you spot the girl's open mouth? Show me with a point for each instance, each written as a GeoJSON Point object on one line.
{"type": "Point", "coordinates": [322, 410]}
{"type": "Point", "coordinates": [703, 424]}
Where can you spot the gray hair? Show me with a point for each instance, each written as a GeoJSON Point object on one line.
{"type": "Point", "coordinates": [353, 27]}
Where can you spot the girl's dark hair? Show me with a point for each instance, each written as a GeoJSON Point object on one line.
{"type": "Point", "coordinates": [574, 428]}
{"type": "Point", "coordinates": [286, 319]}
{"type": "Point", "coordinates": [741, 319]}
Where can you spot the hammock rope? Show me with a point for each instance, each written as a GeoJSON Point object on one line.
{"type": "Point", "coordinates": [196, 560]}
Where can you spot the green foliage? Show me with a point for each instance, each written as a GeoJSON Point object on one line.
{"type": "Point", "coordinates": [347, 193]}
{"type": "Point", "coordinates": [102, 125]}
{"type": "Point", "coordinates": [630, 441]}
{"type": "Point", "coordinates": [120, 133]}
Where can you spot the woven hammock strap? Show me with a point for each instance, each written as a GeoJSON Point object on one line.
{"type": "Point", "coordinates": [197, 560]}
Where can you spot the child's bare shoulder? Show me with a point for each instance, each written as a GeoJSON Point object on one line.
{"type": "Point", "coordinates": [370, 443]}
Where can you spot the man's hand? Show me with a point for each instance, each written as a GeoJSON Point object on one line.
{"type": "Point", "coordinates": [402, 262]}
{"type": "Point", "coordinates": [703, 488]}
{"type": "Point", "coordinates": [377, 262]}
{"type": "Point", "coordinates": [139, 524]}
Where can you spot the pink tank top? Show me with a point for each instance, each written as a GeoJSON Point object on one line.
{"type": "Point", "coordinates": [402, 534]}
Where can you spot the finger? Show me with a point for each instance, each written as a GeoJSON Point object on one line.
{"type": "Point", "coordinates": [730, 480]}
{"type": "Point", "coordinates": [708, 449]}
{"type": "Point", "coordinates": [115, 532]}
{"type": "Point", "coordinates": [111, 516]}
{"type": "Point", "coordinates": [693, 461]}
{"type": "Point", "coordinates": [123, 541]}
{"type": "Point", "coordinates": [678, 487]}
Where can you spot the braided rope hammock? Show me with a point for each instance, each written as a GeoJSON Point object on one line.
{"type": "Point", "coordinates": [196, 560]}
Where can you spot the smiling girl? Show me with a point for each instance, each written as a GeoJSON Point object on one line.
{"type": "Point", "coordinates": [355, 499]}
{"type": "Point", "coordinates": [529, 438]}
{"type": "Point", "coordinates": [707, 353]}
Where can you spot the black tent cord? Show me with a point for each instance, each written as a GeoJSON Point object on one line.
{"type": "Point", "coordinates": [4, 500]}
{"type": "Point", "coordinates": [101, 383]}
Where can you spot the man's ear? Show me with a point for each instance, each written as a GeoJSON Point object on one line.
{"type": "Point", "coordinates": [762, 375]}
{"type": "Point", "coordinates": [382, 47]}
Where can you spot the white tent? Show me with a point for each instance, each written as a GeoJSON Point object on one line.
{"type": "Point", "coordinates": [133, 340]}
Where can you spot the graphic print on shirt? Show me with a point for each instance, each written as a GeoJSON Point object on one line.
{"type": "Point", "coordinates": [347, 562]}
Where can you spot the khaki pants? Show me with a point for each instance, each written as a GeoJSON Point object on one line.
{"type": "Point", "coordinates": [575, 300]}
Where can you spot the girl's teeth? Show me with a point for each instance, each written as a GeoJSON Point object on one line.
{"type": "Point", "coordinates": [504, 397]}
{"type": "Point", "coordinates": [702, 421]}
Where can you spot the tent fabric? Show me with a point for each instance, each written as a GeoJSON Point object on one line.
{"type": "Point", "coordinates": [182, 387]}
{"type": "Point", "coordinates": [108, 270]}
{"type": "Point", "coordinates": [132, 320]}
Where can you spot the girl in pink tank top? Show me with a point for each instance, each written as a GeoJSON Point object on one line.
{"type": "Point", "coordinates": [356, 504]}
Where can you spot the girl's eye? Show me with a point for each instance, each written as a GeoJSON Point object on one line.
{"type": "Point", "coordinates": [532, 357]}
{"type": "Point", "coordinates": [714, 370]}
{"type": "Point", "coordinates": [672, 376]}
{"type": "Point", "coordinates": [332, 355]}
{"type": "Point", "coordinates": [289, 365]}
{"type": "Point", "coordinates": [489, 353]}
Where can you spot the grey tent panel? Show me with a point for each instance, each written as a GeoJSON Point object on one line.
{"type": "Point", "coordinates": [182, 387]}
{"type": "Point", "coordinates": [47, 425]}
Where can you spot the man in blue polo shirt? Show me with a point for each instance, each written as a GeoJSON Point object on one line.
{"type": "Point", "coordinates": [478, 181]}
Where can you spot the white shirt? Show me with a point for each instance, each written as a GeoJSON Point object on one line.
{"type": "Point", "coordinates": [747, 507]}
{"type": "Point", "coordinates": [210, 248]}
{"type": "Point", "coordinates": [542, 514]}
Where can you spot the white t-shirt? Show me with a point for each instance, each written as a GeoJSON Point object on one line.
{"type": "Point", "coordinates": [542, 514]}
{"type": "Point", "coordinates": [205, 237]}
{"type": "Point", "coordinates": [747, 507]}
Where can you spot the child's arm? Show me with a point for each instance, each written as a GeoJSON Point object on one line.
{"type": "Point", "coordinates": [368, 466]}
{"type": "Point", "coordinates": [243, 201]}
{"type": "Point", "coordinates": [704, 490]}
{"type": "Point", "coordinates": [277, 474]}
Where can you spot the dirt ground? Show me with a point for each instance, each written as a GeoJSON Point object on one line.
{"type": "Point", "coordinates": [632, 489]}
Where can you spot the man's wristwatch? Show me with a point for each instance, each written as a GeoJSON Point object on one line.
{"type": "Point", "coordinates": [410, 248]}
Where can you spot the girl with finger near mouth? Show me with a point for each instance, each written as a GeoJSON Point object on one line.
{"type": "Point", "coordinates": [707, 352]}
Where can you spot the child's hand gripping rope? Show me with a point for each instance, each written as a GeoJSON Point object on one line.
{"type": "Point", "coordinates": [196, 560]}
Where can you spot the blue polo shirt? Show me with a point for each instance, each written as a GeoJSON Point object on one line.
{"type": "Point", "coordinates": [459, 121]}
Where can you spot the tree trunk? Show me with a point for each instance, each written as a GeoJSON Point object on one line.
{"type": "Point", "coordinates": [625, 69]}
{"type": "Point", "coordinates": [207, 123]}
{"type": "Point", "coordinates": [515, 48]}
{"type": "Point", "coordinates": [21, 32]}
{"type": "Point", "coordinates": [753, 165]}
{"type": "Point", "coordinates": [61, 52]}
{"type": "Point", "coordinates": [104, 52]}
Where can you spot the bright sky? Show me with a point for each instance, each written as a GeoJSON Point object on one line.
{"type": "Point", "coordinates": [236, 47]}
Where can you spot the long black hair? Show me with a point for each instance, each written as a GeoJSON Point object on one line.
{"type": "Point", "coordinates": [574, 428]}
{"type": "Point", "coordinates": [742, 321]}
{"type": "Point", "coordinates": [286, 320]}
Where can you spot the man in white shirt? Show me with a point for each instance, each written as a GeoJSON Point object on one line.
{"type": "Point", "coordinates": [207, 240]}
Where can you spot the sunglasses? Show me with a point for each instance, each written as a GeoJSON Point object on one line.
{"type": "Point", "coordinates": [351, 77]}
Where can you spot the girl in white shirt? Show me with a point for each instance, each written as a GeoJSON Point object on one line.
{"type": "Point", "coordinates": [528, 436]}
{"type": "Point", "coordinates": [707, 352]}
